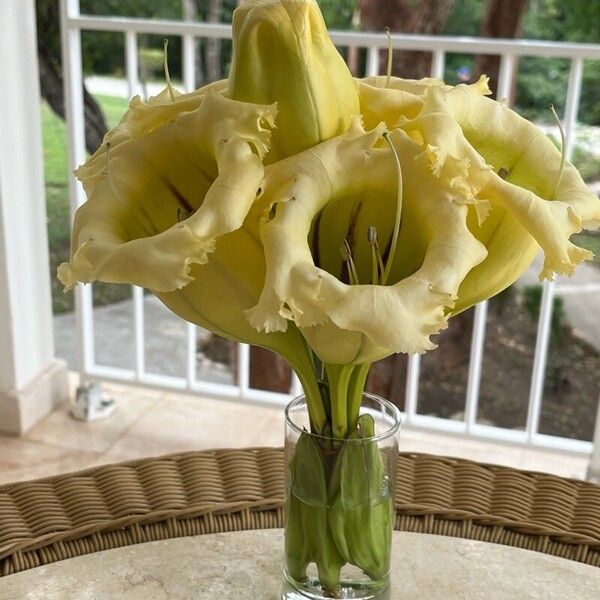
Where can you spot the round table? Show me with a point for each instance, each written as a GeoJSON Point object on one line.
{"type": "Point", "coordinates": [247, 565]}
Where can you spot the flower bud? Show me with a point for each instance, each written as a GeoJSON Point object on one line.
{"type": "Point", "coordinates": [282, 53]}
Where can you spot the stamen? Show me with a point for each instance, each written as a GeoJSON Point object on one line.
{"type": "Point", "coordinates": [166, 68]}
{"type": "Point", "coordinates": [563, 150]}
{"type": "Point", "coordinates": [503, 173]}
{"type": "Point", "coordinates": [390, 58]}
{"type": "Point", "coordinates": [390, 258]}
{"type": "Point", "coordinates": [375, 255]}
{"type": "Point", "coordinates": [347, 258]}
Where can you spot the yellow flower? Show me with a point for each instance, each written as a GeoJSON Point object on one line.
{"type": "Point", "coordinates": [172, 178]}
{"type": "Point", "coordinates": [180, 202]}
{"type": "Point", "coordinates": [336, 191]}
{"type": "Point", "coordinates": [478, 201]}
{"type": "Point", "coordinates": [283, 54]}
{"type": "Point", "coordinates": [518, 206]}
{"type": "Point", "coordinates": [165, 184]}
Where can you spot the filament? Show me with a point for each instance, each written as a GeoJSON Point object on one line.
{"type": "Point", "coordinates": [563, 151]}
{"type": "Point", "coordinates": [394, 244]}
{"type": "Point", "coordinates": [347, 258]}
{"type": "Point", "coordinates": [390, 58]}
{"type": "Point", "coordinates": [166, 68]}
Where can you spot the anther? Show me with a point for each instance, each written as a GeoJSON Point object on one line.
{"type": "Point", "coordinates": [372, 234]}
{"type": "Point", "coordinates": [503, 173]}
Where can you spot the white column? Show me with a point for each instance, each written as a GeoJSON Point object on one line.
{"type": "Point", "coordinates": [593, 473]}
{"type": "Point", "coordinates": [32, 381]}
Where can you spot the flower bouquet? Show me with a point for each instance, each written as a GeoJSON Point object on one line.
{"type": "Point", "coordinates": [334, 221]}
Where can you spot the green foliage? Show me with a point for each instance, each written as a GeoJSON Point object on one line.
{"type": "Point", "coordinates": [54, 137]}
{"type": "Point", "coordinates": [586, 162]}
{"type": "Point", "coordinates": [338, 13]}
{"type": "Point", "coordinates": [544, 81]}
{"type": "Point", "coordinates": [103, 52]}
{"type": "Point", "coordinates": [532, 299]}
{"type": "Point", "coordinates": [466, 18]}
{"type": "Point", "coordinates": [590, 240]}
{"type": "Point", "coordinates": [541, 82]}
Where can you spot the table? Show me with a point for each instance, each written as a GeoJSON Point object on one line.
{"type": "Point", "coordinates": [157, 522]}
{"type": "Point", "coordinates": [247, 566]}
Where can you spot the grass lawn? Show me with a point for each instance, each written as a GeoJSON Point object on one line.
{"type": "Point", "coordinates": [591, 241]}
{"type": "Point", "coordinates": [57, 201]}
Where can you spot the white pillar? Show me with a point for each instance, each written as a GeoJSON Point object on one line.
{"type": "Point", "coordinates": [32, 380]}
{"type": "Point", "coordinates": [593, 473]}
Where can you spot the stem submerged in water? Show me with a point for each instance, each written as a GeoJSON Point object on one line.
{"type": "Point", "coordinates": [346, 385]}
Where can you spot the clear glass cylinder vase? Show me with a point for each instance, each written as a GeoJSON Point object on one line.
{"type": "Point", "coordinates": [340, 504]}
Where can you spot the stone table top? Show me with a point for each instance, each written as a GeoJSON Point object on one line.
{"type": "Point", "coordinates": [248, 566]}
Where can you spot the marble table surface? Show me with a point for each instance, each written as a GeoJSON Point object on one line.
{"type": "Point", "coordinates": [247, 566]}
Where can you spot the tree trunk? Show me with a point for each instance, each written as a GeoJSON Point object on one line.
{"type": "Point", "coordinates": [503, 19]}
{"type": "Point", "coordinates": [387, 378]}
{"type": "Point", "coordinates": [213, 45]}
{"type": "Point", "coordinates": [51, 78]}
{"type": "Point", "coordinates": [51, 87]}
{"type": "Point", "coordinates": [406, 16]}
{"type": "Point", "coordinates": [269, 371]}
{"type": "Point", "coordinates": [189, 9]}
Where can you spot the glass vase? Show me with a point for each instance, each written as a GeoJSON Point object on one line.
{"type": "Point", "coordinates": [340, 504]}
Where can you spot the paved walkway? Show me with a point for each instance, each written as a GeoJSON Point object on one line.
{"type": "Point", "coordinates": [165, 341]}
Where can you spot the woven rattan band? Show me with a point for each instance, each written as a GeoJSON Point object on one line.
{"type": "Point", "coordinates": [231, 490]}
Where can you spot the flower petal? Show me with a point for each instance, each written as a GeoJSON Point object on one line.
{"type": "Point", "coordinates": [164, 196]}
{"type": "Point", "coordinates": [470, 141]}
{"type": "Point", "coordinates": [282, 53]}
{"type": "Point", "coordinates": [362, 322]}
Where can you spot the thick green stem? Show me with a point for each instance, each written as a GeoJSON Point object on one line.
{"type": "Point", "coordinates": [356, 389]}
{"type": "Point", "coordinates": [338, 377]}
{"type": "Point", "coordinates": [314, 401]}
{"type": "Point", "coordinates": [303, 365]}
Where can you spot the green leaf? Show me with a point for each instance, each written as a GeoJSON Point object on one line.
{"type": "Point", "coordinates": [308, 476]}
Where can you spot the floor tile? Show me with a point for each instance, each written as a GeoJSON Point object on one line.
{"type": "Point", "coordinates": [22, 459]}
{"type": "Point", "coordinates": [61, 429]}
{"type": "Point", "coordinates": [178, 423]}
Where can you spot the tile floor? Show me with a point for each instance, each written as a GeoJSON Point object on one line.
{"type": "Point", "coordinates": [150, 423]}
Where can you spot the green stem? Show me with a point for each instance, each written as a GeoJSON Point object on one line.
{"type": "Point", "coordinates": [338, 377]}
{"type": "Point", "coordinates": [303, 364]}
{"type": "Point", "coordinates": [356, 389]}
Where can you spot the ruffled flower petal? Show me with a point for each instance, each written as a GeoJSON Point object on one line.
{"type": "Point", "coordinates": [499, 165]}
{"type": "Point", "coordinates": [162, 197]}
{"type": "Point", "coordinates": [363, 322]}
